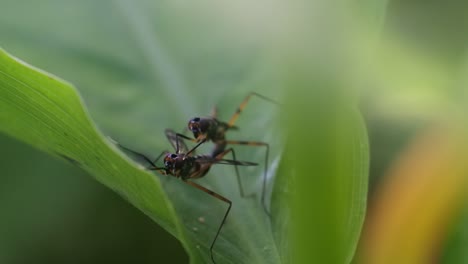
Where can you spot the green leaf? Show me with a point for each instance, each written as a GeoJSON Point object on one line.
{"type": "Point", "coordinates": [323, 179]}
{"type": "Point", "coordinates": [144, 67]}
{"type": "Point", "coordinates": [133, 73]}
{"type": "Point", "coordinates": [47, 113]}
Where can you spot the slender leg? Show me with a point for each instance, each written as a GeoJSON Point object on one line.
{"type": "Point", "coordinates": [184, 130]}
{"type": "Point", "coordinates": [194, 148]}
{"type": "Point", "coordinates": [177, 141]}
{"type": "Point", "coordinates": [152, 163]}
{"type": "Point", "coordinates": [153, 166]}
{"type": "Point", "coordinates": [186, 151]}
{"type": "Point", "coordinates": [219, 197]}
{"type": "Point", "coordinates": [158, 157]}
{"type": "Point", "coordinates": [180, 135]}
{"type": "Point", "coordinates": [244, 104]}
{"type": "Point", "coordinates": [265, 171]}
{"type": "Point", "coordinates": [239, 180]}
{"type": "Point", "coordinates": [186, 137]}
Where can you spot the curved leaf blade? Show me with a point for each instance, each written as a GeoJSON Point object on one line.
{"type": "Point", "coordinates": [47, 113]}
{"type": "Point", "coordinates": [324, 175]}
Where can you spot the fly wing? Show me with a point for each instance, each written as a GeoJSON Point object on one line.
{"type": "Point", "coordinates": [208, 159]}
{"type": "Point", "coordinates": [177, 142]}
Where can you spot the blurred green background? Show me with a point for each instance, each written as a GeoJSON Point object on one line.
{"type": "Point", "coordinates": [124, 55]}
{"type": "Point", "coordinates": [55, 213]}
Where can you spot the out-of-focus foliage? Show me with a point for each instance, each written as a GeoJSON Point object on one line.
{"type": "Point", "coordinates": [125, 78]}
{"type": "Point", "coordinates": [423, 194]}
{"type": "Point", "coordinates": [142, 67]}
{"type": "Point", "coordinates": [49, 116]}
{"type": "Point", "coordinates": [418, 81]}
{"type": "Point", "coordinates": [52, 210]}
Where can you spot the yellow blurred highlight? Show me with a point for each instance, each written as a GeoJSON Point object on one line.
{"type": "Point", "coordinates": [416, 205]}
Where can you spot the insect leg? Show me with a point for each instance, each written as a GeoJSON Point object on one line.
{"type": "Point", "coordinates": [244, 104]}
{"type": "Point", "coordinates": [219, 197]}
{"type": "Point", "coordinates": [177, 141]}
{"type": "Point", "coordinates": [239, 180]}
{"type": "Point", "coordinates": [151, 162]}
{"type": "Point", "coordinates": [265, 171]}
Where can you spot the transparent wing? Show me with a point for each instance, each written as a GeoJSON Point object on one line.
{"type": "Point", "coordinates": [177, 142]}
{"type": "Point", "coordinates": [207, 159]}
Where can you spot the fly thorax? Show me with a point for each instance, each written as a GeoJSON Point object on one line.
{"type": "Point", "coordinates": [218, 130]}
{"type": "Point", "coordinates": [187, 168]}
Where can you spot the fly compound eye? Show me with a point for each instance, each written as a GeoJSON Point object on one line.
{"type": "Point", "coordinates": [185, 166]}
{"type": "Point", "coordinates": [194, 124]}
{"type": "Point", "coordinates": [169, 160]}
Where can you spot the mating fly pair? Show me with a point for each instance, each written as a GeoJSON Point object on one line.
{"type": "Point", "coordinates": [185, 165]}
